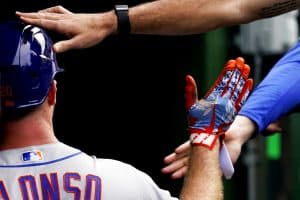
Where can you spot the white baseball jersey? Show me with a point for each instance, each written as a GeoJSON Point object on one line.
{"type": "Point", "coordinates": [59, 172]}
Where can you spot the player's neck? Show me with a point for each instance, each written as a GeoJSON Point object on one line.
{"type": "Point", "coordinates": [33, 130]}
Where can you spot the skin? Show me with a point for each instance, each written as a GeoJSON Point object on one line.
{"type": "Point", "coordinates": [164, 17]}
{"type": "Point", "coordinates": [36, 128]}
{"type": "Point", "coordinates": [236, 136]}
{"type": "Point", "coordinates": [202, 180]}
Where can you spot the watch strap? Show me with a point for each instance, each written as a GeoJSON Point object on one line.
{"type": "Point", "coordinates": [123, 19]}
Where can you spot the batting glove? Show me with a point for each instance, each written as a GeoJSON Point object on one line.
{"type": "Point", "coordinates": [211, 116]}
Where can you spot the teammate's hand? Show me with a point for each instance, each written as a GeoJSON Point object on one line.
{"type": "Point", "coordinates": [82, 30]}
{"type": "Point", "coordinates": [273, 128]}
{"type": "Point", "coordinates": [177, 162]}
{"type": "Point", "coordinates": [211, 116]}
{"type": "Point", "coordinates": [234, 77]}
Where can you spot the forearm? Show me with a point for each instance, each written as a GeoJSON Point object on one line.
{"type": "Point", "coordinates": [204, 178]}
{"type": "Point", "coordinates": [171, 17]}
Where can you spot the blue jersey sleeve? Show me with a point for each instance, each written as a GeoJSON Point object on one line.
{"type": "Point", "coordinates": [278, 93]}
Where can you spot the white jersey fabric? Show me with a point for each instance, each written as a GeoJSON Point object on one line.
{"type": "Point", "coordinates": [59, 172]}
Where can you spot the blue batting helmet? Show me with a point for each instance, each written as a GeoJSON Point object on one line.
{"type": "Point", "coordinates": [27, 65]}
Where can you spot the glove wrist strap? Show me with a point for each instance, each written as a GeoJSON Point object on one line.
{"type": "Point", "coordinates": [205, 139]}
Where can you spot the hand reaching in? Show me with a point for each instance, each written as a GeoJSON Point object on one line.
{"type": "Point", "coordinates": [82, 30]}
{"type": "Point", "coordinates": [212, 115]}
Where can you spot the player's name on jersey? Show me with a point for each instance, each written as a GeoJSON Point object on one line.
{"type": "Point", "coordinates": [52, 186]}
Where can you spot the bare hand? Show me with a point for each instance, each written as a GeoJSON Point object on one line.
{"type": "Point", "coordinates": [177, 162]}
{"type": "Point", "coordinates": [273, 128]}
{"type": "Point", "coordinates": [83, 30]}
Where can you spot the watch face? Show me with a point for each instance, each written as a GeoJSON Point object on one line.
{"type": "Point", "coordinates": [122, 7]}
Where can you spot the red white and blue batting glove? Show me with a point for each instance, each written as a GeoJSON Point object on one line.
{"type": "Point", "coordinates": [211, 116]}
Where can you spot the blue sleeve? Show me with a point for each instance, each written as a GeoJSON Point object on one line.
{"type": "Point", "coordinates": [278, 93]}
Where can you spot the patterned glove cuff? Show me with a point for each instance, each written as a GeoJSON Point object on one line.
{"type": "Point", "coordinates": [205, 139]}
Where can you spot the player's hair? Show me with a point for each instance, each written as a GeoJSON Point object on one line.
{"type": "Point", "coordinates": [27, 67]}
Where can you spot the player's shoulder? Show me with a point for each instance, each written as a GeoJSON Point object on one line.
{"type": "Point", "coordinates": [113, 163]}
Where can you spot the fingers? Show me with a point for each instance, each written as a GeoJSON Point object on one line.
{"type": "Point", "coordinates": [179, 173]}
{"type": "Point", "coordinates": [61, 46]}
{"type": "Point", "coordinates": [231, 80]}
{"type": "Point", "coordinates": [45, 23]}
{"type": "Point", "coordinates": [233, 83]}
{"type": "Point", "coordinates": [178, 168]}
{"type": "Point", "coordinates": [177, 162]}
{"type": "Point", "coordinates": [237, 80]}
{"type": "Point", "coordinates": [190, 95]}
{"type": "Point", "coordinates": [274, 127]}
{"type": "Point", "coordinates": [45, 19]}
{"type": "Point", "coordinates": [244, 93]}
{"type": "Point", "coordinates": [64, 45]}
{"type": "Point", "coordinates": [170, 158]}
{"type": "Point", "coordinates": [244, 68]}
{"type": "Point", "coordinates": [184, 148]}
{"type": "Point", "coordinates": [222, 81]}
{"type": "Point", "coordinates": [40, 16]}
{"type": "Point", "coordinates": [181, 151]}
{"type": "Point", "coordinates": [56, 9]}
{"type": "Point", "coordinates": [238, 86]}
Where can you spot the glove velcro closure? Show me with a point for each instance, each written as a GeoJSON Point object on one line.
{"type": "Point", "coordinates": [205, 139]}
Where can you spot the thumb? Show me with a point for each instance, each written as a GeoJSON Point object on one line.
{"type": "Point", "coordinates": [61, 46]}
{"type": "Point", "coordinates": [190, 92]}
{"type": "Point", "coordinates": [66, 45]}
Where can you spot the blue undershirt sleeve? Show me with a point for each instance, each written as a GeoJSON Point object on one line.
{"type": "Point", "coordinates": [278, 93]}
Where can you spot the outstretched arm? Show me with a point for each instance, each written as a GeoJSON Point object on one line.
{"type": "Point", "coordinates": [204, 178]}
{"type": "Point", "coordinates": [165, 17]}
{"type": "Point", "coordinates": [196, 16]}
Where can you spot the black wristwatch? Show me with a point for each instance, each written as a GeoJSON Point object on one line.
{"type": "Point", "coordinates": [123, 19]}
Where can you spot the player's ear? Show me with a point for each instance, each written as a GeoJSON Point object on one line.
{"type": "Point", "coordinates": [52, 93]}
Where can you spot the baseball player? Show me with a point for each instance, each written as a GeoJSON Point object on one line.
{"type": "Point", "coordinates": [34, 164]}
{"type": "Point", "coordinates": [167, 17]}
